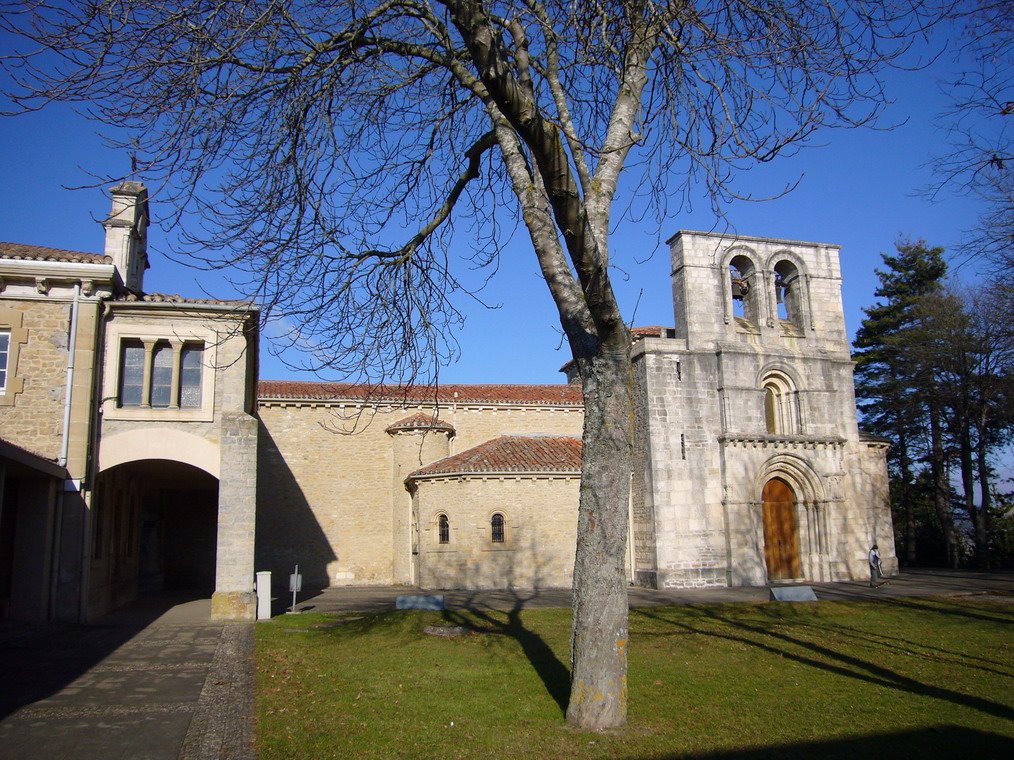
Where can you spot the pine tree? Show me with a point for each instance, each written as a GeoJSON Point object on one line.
{"type": "Point", "coordinates": [895, 394]}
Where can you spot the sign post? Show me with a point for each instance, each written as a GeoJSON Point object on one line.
{"type": "Point", "coordinates": [295, 586]}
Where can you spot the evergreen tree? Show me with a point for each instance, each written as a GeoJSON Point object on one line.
{"type": "Point", "coordinates": [895, 394]}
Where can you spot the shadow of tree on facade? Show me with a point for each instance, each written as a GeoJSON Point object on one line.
{"type": "Point", "coordinates": [710, 621]}
{"type": "Point", "coordinates": [287, 532]}
{"type": "Point", "coordinates": [939, 742]}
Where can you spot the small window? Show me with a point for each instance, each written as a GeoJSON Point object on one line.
{"type": "Point", "coordinates": [132, 374]}
{"type": "Point", "coordinates": [190, 375]}
{"type": "Point", "coordinates": [771, 409]}
{"type": "Point", "coordinates": [5, 352]}
{"type": "Point", "coordinates": [444, 529]}
{"type": "Point", "coordinates": [497, 528]}
{"type": "Point", "coordinates": [162, 375]}
{"type": "Point", "coordinates": [781, 413]}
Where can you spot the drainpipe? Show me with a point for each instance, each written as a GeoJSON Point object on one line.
{"type": "Point", "coordinates": [632, 574]}
{"type": "Point", "coordinates": [65, 442]}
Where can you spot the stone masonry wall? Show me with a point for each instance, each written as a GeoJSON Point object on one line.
{"type": "Point", "coordinates": [541, 531]}
{"type": "Point", "coordinates": [327, 498]}
{"type": "Point", "coordinates": [35, 420]}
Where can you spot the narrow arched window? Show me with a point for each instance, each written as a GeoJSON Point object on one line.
{"type": "Point", "coordinates": [444, 529]}
{"type": "Point", "coordinates": [781, 411]}
{"type": "Point", "coordinates": [743, 281]}
{"type": "Point", "coordinates": [496, 524]}
{"type": "Point", "coordinates": [788, 293]}
{"type": "Point", "coordinates": [771, 408]}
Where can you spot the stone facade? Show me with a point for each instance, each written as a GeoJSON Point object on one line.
{"type": "Point", "coordinates": [540, 527]}
{"type": "Point", "coordinates": [105, 488]}
{"type": "Point", "coordinates": [139, 452]}
{"type": "Point", "coordinates": [754, 384]}
{"type": "Point", "coordinates": [332, 495]}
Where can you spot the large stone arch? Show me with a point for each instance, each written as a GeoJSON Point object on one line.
{"type": "Point", "coordinates": [160, 443]}
{"type": "Point", "coordinates": [797, 472]}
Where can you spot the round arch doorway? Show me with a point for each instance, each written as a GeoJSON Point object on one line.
{"type": "Point", "coordinates": [781, 531]}
{"type": "Point", "coordinates": [155, 532]}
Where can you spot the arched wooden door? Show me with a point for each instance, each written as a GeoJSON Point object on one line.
{"type": "Point", "coordinates": [781, 532]}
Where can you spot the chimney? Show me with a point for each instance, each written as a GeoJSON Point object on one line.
{"type": "Point", "coordinates": [127, 233]}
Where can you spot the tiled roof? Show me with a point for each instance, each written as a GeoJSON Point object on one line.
{"type": "Point", "coordinates": [636, 333]}
{"type": "Point", "coordinates": [420, 421]}
{"type": "Point", "coordinates": [511, 453]}
{"type": "Point", "coordinates": [172, 298]}
{"type": "Point", "coordinates": [648, 331]}
{"type": "Point", "coordinates": [41, 253]}
{"type": "Point", "coordinates": [566, 395]}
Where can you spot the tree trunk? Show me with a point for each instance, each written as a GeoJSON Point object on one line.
{"type": "Point", "coordinates": [941, 489]}
{"type": "Point", "coordinates": [968, 485]}
{"type": "Point", "coordinates": [985, 494]}
{"type": "Point", "coordinates": [904, 465]}
{"type": "Point", "coordinates": [598, 698]}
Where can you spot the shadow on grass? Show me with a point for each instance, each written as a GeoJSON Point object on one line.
{"type": "Point", "coordinates": [938, 742]}
{"type": "Point", "coordinates": [907, 646]}
{"type": "Point", "coordinates": [783, 644]}
{"type": "Point", "coordinates": [554, 674]}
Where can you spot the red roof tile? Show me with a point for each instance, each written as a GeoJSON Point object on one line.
{"type": "Point", "coordinates": [420, 421]}
{"type": "Point", "coordinates": [565, 395]}
{"type": "Point", "coordinates": [648, 331]}
{"type": "Point", "coordinates": [41, 253]}
{"type": "Point", "coordinates": [636, 333]}
{"type": "Point", "coordinates": [511, 453]}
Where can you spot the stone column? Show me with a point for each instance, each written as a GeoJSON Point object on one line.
{"type": "Point", "coordinates": [234, 597]}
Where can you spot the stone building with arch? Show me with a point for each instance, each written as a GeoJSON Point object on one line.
{"type": "Point", "coordinates": [128, 439]}
{"type": "Point", "coordinates": [140, 453]}
{"type": "Point", "coordinates": [753, 469]}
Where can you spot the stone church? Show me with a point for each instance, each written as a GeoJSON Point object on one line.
{"type": "Point", "coordinates": [139, 451]}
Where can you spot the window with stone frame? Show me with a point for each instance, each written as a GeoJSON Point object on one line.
{"type": "Point", "coordinates": [743, 279]}
{"type": "Point", "coordinates": [443, 530]}
{"type": "Point", "coordinates": [5, 352]}
{"type": "Point", "coordinates": [781, 413]}
{"type": "Point", "coordinates": [160, 374]}
{"type": "Point", "coordinates": [497, 526]}
{"type": "Point", "coordinates": [13, 335]}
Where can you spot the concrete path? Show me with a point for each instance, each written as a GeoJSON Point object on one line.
{"type": "Point", "coordinates": [912, 583]}
{"type": "Point", "coordinates": [156, 681]}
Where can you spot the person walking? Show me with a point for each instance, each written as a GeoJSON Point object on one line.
{"type": "Point", "coordinates": [876, 571]}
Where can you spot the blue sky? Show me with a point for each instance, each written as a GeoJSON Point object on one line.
{"type": "Point", "coordinates": [858, 189]}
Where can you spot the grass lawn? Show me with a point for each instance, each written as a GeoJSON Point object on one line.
{"type": "Point", "coordinates": [893, 678]}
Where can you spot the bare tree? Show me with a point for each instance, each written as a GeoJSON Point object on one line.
{"type": "Point", "coordinates": [334, 149]}
{"type": "Point", "coordinates": [979, 160]}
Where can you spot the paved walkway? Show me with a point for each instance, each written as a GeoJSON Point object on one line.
{"type": "Point", "coordinates": [158, 681]}
{"type": "Point", "coordinates": [913, 583]}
